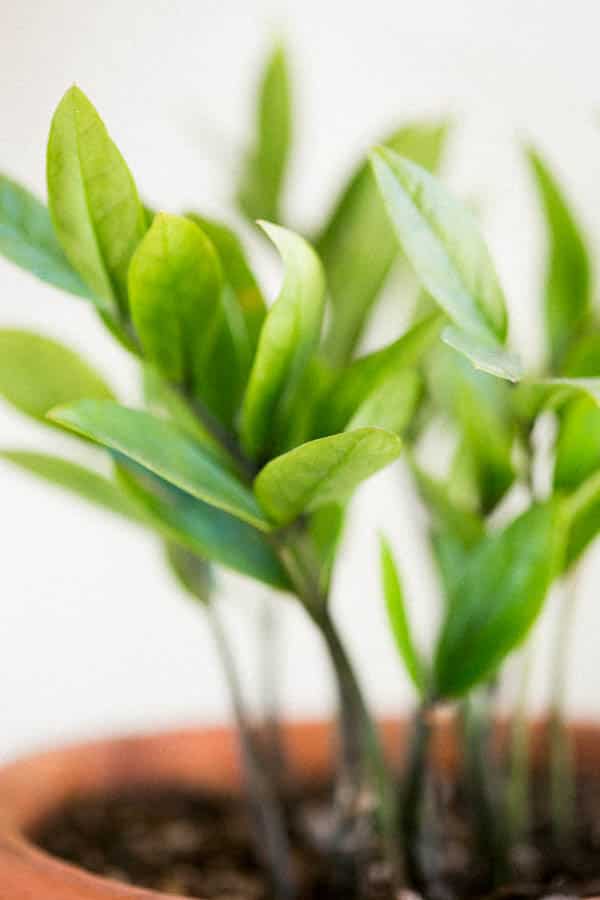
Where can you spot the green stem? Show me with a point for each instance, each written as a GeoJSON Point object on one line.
{"type": "Point", "coordinates": [269, 679]}
{"type": "Point", "coordinates": [270, 831]}
{"type": "Point", "coordinates": [482, 783]}
{"type": "Point", "coordinates": [561, 751]}
{"type": "Point", "coordinates": [413, 791]}
{"type": "Point", "coordinates": [519, 801]}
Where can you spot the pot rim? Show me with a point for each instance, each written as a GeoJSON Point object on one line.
{"type": "Point", "coordinates": [31, 787]}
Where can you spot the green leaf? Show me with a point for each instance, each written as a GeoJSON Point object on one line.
{"type": "Point", "coordinates": [500, 595]}
{"type": "Point", "coordinates": [567, 301]}
{"type": "Point", "coordinates": [192, 572]}
{"type": "Point", "coordinates": [578, 445]}
{"type": "Point", "coordinates": [78, 480]}
{"type": "Point", "coordinates": [398, 618]}
{"type": "Point", "coordinates": [326, 525]}
{"type": "Point", "coordinates": [175, 285]}
{"type": "Point", "coordinates": [203, 529]}
{"type": "Point", "coordinates": [487, 357]}
{"type": "Point", "coordinates": [583, 510]}
{"type": "Point", "coordinates": [264, 168]}
{"type": "Point", "coordinates": [287, 340]}
{"type": "Point", "coordinates": [351, 387]}
{"type": "Point", "coordinates": [358, 245]}
{"type": "Point", "coordinates": [391, 405]}
{"type": "Point", "coordinates": [163, 449]}
{"type": "Point", "coordinates": [442, 241]}
{"type": "Point", "coordinates": [480, 406]}
{"type": "Point", "coordinates": [95, 208]}
{"type": "Point", "coordinates": [447, 515]}
{"type": "Point", "coordinates": [37, 374]}
{"type": "Point", "coordinates": [323, 471]}
{"type": "Point", "coordinates": [27, 238]}
{"type": "Point", "coordinates": [566, 387]}
{"type": "Point", "coordinates": [238, 274]}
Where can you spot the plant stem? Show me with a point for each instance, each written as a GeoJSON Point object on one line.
{"type": "Point", "coordinates": [482, 782]}
{"type": "Point", "coordinates": [269, 639]}
{"type": "Point", "coordinates": [519, 802]}
{"type": "Point", "coordinates": [270, 833]}
{"type": "Point", "coordinates": [412, 794]}
{"type": "Point", "coordinates": [561, 751]}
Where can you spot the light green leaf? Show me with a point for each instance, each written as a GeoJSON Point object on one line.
{"type": "Point", "coordinates": [76, 479]}
{"type": "Point", "coordinates": [326, 525]}
{"type": "Point", "coordinates": [203, 529]}
{"type": "Point", "coordinates": [565, 387]}
{"type": "Point", "coordinates": [568, 276]}
{"type": "Point", "coordinates": [37, 374]}
{"type": "Point", "coordinates": [487, 357]}
{"type": "Point", "coordinates": [95, 208]}
{"type": "Point", "coordinates": [27, 238]}
{"type": "Point", "coordinates": [192, 572]}
{"type": "Point", "coordinates": [398, 618]}
{"type": "Point", "coordinates": [358, 245]}
{"type": "Point", "coordinates": [351, 387]}
{"type": "Point", "coordinates": [288, 338]}
{"type": "Point", "coordinates": [578, 445]}
{"type": "Point", "coordinates": [263, 174]}
{"type": "Point", "coordinates": [446, 514]}
{"type": "Point", "coordinates": [583, 518]}
{"type": "Point", "coordinates": [501, 592]}
{"type": "Point", "coordinates": [175, 285]}
{"type": "Point", "coordinates": [163, 449]}
{"type": "Point", "coordinates": [323, 471]}
{"type": "Point", "coordinates": [442, 241]}
{"type": "Point", "coordinates": [391, 405]}
{"type": "Point", "coordinates": [238, 274]}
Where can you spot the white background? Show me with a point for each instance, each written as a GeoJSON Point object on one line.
{"type": "Point", "coordinates": [94, 636]}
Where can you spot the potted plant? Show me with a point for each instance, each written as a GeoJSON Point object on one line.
{"type": "Point", "coordinates": [259, 423]}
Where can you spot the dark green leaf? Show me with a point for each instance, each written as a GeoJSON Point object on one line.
{"type": "Point", "coordinates": [398, 619]}
{"type": "Point", "coordinates": [500, 595]}
{"type": "Point", "coordinates": [263, 174]}
{"type": "Point", "coordinates": [37, 374]}
{"type": "Point", "coordinates": [323, 471]}
{"type": "Point", "coordinates": [287, 340]}
{"type": "Point", "coordinates": [568, 275]}
{"type": "Point", "coordinates": [165, 450]}
{"type": "Point", "coordinates": [203, 529]}
{"type": "Point", "coordinates": [442, 241]}
{"type": "Point", "coordinates": [358, 245]}
{"type": "Point", "coordinates": [27, 238]}
{"type": "Point", "coordinates": [95, 208]}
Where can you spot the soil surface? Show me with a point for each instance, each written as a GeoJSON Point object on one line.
{"type": "Point", "coordinates": [200, 845]}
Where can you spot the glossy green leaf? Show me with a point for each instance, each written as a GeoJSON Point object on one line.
{"type": "Point", "coordinates": [203, 529]}
{"type": "Point", "coordinates": [500, 595]}
{"type": "Point", "coordinates": [263, 173]}
{"type": "Point", "coordinates": [443, 243]}
{"type": "Point", "coordinates": [163, 449]}
{"type": "Point", "coordinates": [175, 285]}
{"type": "Point", "coordinates": [568, 276]}
{"type": "Point", "coordinates": [487, 357]}
{"type": "Point", "coordinates": [76, 479]}
{"type": "Point", "coordinates": [358, 245]}
{"type": "Point", "coordinates": [37, 374]}
{"type": "Point", "coordinates": [238, 274]}
{"type": "Point", "coordinates": [191, 571]}
{"type": "Point", "coordinates": [95, 208]}
{"type": "Point", "coordinates": [395, 602]}
{"type": "Point", "coordinates": [578, 445]}
{"type": "Point", "coordinates": [351, 387]}
{"type": "Point", "coordinates": [27, 239]}
{"type": "Point", "coordinates": [288, 338]}
{"type": "Point", "coordinates": [323, 471]}
{"type": "Point", "coordinates": [391, 405]}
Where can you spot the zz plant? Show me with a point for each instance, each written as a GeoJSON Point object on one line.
{"type": "Point", "coordinates": [260, 421]}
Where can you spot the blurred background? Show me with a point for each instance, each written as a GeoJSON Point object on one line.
{"type": "Point", "coordinates": [95, 637]}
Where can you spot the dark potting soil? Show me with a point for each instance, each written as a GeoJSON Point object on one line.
{"type": "Point", "coordinates": [199, 845]}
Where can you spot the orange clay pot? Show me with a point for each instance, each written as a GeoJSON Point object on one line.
{"type": "Point", "coordinates": [32, 788]}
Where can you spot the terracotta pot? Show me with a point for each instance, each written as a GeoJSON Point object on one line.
{"type": "Point", "coordinates": [31, 788]}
